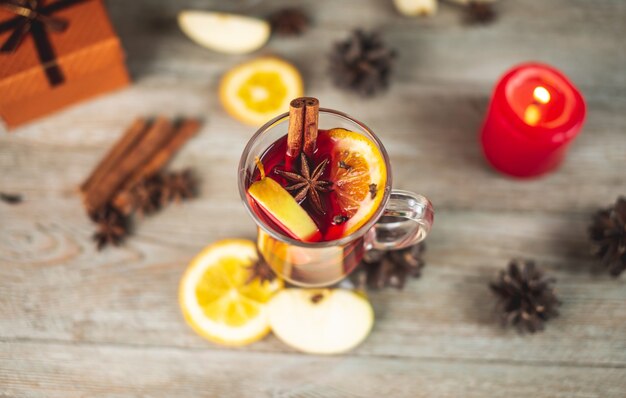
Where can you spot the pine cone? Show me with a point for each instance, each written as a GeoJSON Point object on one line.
{"type": "Point", "coordinates": [525, 296]}
{"type": "Point", "coordinates": [362, 63]}
{"type": "Point", "coordinates": [112, 226]}
{"type": "Point", "coordinates": [380, 269]}
{"type": "Point", "coordinates": [608, 232]}
{"type": "Point", "coordinates": [289, 22]}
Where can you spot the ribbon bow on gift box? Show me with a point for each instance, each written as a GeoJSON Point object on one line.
{"type": "Point", "coordinates": [33, 17]}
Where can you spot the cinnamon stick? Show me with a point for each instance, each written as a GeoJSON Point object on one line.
{"type": "Point", "coordinates": [120, 150]}
{"type": "Point", "coordinates": [109, 185]}
{"type": "Point", "coordinates": [296, 127]}
{"type": "Point", "coordinates": [303, 126]}
{"type": "Point", "coordinates": [183, 132]}
{"type": "Point", "coordinates": [311, 117]}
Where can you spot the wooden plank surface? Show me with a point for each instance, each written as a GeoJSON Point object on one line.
{"type": "Point", "coordinates": [59, 370]}
{"type": "Point", "coordinates": [75, 322]}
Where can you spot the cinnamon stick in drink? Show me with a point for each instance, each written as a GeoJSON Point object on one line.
{"type": "Point", "coordinates": [303, 126]}
{"type": "Point", "coordinates": [311, 118]}
{"type": "Point", "coordinates": [296, 127]}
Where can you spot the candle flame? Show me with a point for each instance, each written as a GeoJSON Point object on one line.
{"type": "Point", "coordinates": [541, 95]}
{"type": "Point", "coordinates": [532, 115]}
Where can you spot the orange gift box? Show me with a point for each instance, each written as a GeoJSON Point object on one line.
{"type": "Point", "coordinates": [55, 53]}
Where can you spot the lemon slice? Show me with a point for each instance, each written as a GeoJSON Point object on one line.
{"type": "Point", "coordinates": [360, 181]}
{"type": "Point", "coordinates": [258, 90]}
{"type": "Point", "coordinates": [216, 300]}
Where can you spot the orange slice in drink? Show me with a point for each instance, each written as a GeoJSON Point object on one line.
{"type": "Point", "coordinates": [258, 90]}
{"type": "Point", "coordinates": [359, 176]}
{"type": "Point", "coordinates": [217, 299]}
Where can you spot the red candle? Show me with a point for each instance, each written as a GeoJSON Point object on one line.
{"type": "Point", "coordinates": [535, 113]}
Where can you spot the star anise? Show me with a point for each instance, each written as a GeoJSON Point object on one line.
{"type": "Point", "coordinates": [10, 198]}
{"type": "Point", "coordinates": [289, 21]}
{"type": "Point", "coordinates": [112, 226]}
{"type": "Point", "coordinates": [307, 184]}
{"type": "Point", "coordinates": [179, 186]}
{"type": "Point", "coordinates": [260, 270]}
{"type": "Point", "coordinates": [526, 297]}
{"type": "Point", "coordinates": [480, 12]}
{"type": "Point", "coordinates": [145, 196]}
{"type": "Point", "coordinates": [608, 232]}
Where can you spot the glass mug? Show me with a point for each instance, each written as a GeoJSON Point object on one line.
{"type": "Point", "coordinates": [402, 219]}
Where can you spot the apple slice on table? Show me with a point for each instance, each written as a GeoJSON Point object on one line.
{"type": "Point", "coordinates": [284, 210]}
{"type": "Point", "coordinates": [320, 321]}
{"type": "Point", "coordinates": [417, 7]}
{"type": "Point", "coordinates": [227, 33]}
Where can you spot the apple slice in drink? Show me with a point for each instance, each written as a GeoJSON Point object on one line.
{"type": "Point", "coordinates": [284, 210]}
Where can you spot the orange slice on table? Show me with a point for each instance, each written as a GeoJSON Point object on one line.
{"type": "Point", "coordinates": [360, 183]}
{"type": "Point", "coordinates": [256, 91]}
{"type": "Point", "coordinates": [216, 299]}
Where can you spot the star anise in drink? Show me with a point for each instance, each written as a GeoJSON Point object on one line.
{"type": "Point", "coordinates": [306, 184]}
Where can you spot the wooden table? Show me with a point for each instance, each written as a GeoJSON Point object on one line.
{"type": "Point", "coordinates": [77, 322]}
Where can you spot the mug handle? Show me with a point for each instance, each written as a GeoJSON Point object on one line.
{"type": "Point", "coordinates": [407, 220]}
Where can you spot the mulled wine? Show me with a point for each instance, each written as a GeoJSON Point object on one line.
{"type": "Point", "coordinates": [315, 185]}
{"type": "Point", "coordinates": [324, 196]}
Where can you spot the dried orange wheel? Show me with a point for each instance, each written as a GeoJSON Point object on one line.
{"type": "Point", "coordinates": [258, 90]}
